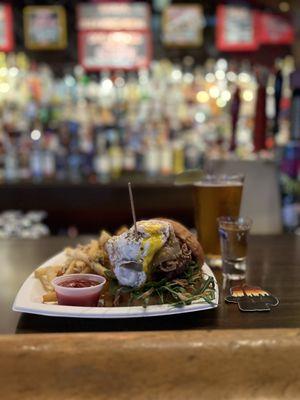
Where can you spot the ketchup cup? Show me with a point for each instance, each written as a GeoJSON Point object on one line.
{"type": "Point", "coordinates": [78, 296]}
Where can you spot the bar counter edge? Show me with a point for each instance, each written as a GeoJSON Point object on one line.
{"type": "Point", "coordinates": [226, 364]}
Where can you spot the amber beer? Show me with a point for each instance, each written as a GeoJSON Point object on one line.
{"type": "Point", "coordinates": [215, 197]}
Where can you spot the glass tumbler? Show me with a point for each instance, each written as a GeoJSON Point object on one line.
{"type": "Point", "coordinates": [233, 234]}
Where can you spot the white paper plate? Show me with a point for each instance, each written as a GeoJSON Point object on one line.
{"type": "Point", "coordinates": [28, 300]}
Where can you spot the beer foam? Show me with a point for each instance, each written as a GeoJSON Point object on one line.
{"type": "Point", "coordinates": [217, 184]}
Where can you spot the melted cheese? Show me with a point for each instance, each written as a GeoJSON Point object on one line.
{"type": "Point", "coordinates": [156, 236]}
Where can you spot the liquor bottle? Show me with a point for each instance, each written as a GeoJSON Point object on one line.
{"type": "Point", "coordinates": [295, 106]}
{"type": "Point", "coordinates": [235, 109]}
{"type": "Point", "coordinates": [260, 122]}
{"type": "Point", "coordinates": [129, 160]}
{"type": "Point", "coordinates": [61, 162]}
{"type": "Point", "coordinates": [152, 159]}
{"type": "Point", "coordinates": [49, 167]}
{"type": "Point", "coordinates": [24, 161]}
{"type": "Point", "coordinates": [2, 163]}
{"type": "Point", "coordinates": [86, 148]}
{"type": "Point", "coordinates": [166, 159]}
{"type": "Point", "coordinates": [101, 160]}
{"type": "Point", "coordinates": [116, 159]}
{"type": "Point", "coordinates": [178, 156]}
{"type": "Point", "coordinates": [277, 98]}
{"type": "Point", "coordinates": [10, 164]}
{"type": "Point", "coordinates": [74, 164]}
{"type": "Point", "coordinates": [192, 154]}
{"type": "Point", "coordinates": [36, 163]}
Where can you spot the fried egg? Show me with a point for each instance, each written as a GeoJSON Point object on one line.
{"type": "Point", "coordinates": [131, 254]}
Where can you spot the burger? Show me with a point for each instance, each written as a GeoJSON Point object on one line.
{"type": "Point", "coordinates": [158, 261]}
{"type": "Point", "coordinates": [156, 250]}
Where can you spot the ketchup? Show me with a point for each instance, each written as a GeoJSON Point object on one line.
{"type": "Point", "coordinates": [78, 283]}
{"type": "Point", "coordinates": [78, 289]}
{"type": "Point", "coordinates": [88, 300]}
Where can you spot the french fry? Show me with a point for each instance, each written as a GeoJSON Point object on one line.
{"type": "Point", "coordinates": [82, 259]}
{"type": "Point", "coordinates": [43, 270]}
{"type": "Point", "coordinates": [87, 270]}
{"type": "Point", "coordinates": [49, 297]}
{"type": "Point", "coordinates": [93, 250]}
{"type": "Point", "coordinates": [47, 274]}
{"type": "Point", "coordinates": [79, 254]}
{"type": "Point", "coordinates": [45, 282]}
{"type": "Point", "coordinates": [70, 269]}
{"type": "Point", "coordinates": [80, 265]}
{"type": "Point", "coordinates": [98, 268]}
{"type": "Point", "coordinates": [103, 238]}
{"type": "Point", "coordinates": [121, 230]}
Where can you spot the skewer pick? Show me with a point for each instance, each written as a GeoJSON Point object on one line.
{"type": "Point", "coordinates": [132, 207]}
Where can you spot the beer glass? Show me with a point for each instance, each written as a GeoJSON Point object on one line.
{"type": "Point", "coordinates": [215, 196]}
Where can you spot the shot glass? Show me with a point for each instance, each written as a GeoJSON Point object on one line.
{"type": "Point", "coordinates": [233, 234]}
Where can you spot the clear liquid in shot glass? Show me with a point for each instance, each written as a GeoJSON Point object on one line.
{"type": "Point", "coordinates": [234, 242]}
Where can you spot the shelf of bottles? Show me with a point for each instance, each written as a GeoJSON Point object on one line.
{"type": "Point", "coordinates": [159, 121]}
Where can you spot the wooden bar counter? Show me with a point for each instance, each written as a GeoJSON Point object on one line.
{"type": "Point", "coordinates": [241, 364]}
{"type": "Point", "coordinates": [219, 353]}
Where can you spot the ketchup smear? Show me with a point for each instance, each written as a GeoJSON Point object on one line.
{"type": "Point", "coordinates": [78, 283]}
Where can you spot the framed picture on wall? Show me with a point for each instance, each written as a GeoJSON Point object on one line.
{"type": "Point", "coordinates": [6, 28]}
{"type": "Point", "coordinates": [45, 27]}
{"type": "Point", "coordinates": [113, 16]}
{"type": "Point", "coordinates": [182, 25]}
{"type": "Point", "coordinates": [275, 29]}
{"type": "Point", "coordinates": [237, 28]}
{"type": "Point", "coordinates": [114, 50]}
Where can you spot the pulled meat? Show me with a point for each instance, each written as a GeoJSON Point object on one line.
{"type": "Point", "coordinates": [172, 268]}
{"type": "Point", "coordinates": [170, 251]}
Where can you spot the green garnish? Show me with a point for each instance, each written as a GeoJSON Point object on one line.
{"type": "Point", "coordinates": [190, 286]}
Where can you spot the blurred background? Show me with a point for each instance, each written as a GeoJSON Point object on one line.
{"type": "Point", "coordinates": [96, 93]}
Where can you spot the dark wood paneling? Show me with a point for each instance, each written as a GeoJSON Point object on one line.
{"type": "Point", "coordinates": [91, 207]}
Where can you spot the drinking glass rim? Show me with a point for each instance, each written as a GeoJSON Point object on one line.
{"type": "Point", "coordinates": [244, 222]}
{"type": "Point", "coordinates": [220, 178]}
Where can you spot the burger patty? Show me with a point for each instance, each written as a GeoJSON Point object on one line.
{"type": "Point", "coordinates": [182, 233]}
{"type": "Point", "coordinates": [172, 268]}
